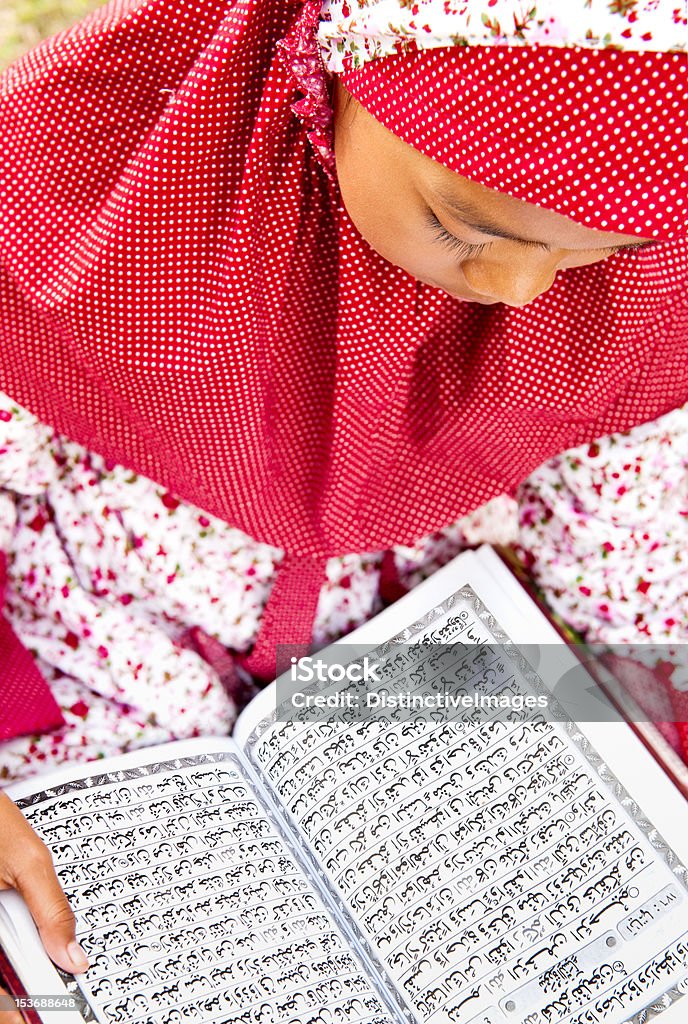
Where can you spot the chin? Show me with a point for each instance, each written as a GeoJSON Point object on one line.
{"type": "Point", "coordinates": [481, 300]}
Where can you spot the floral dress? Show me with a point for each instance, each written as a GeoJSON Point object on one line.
{"type": "Point", "coordinates": [604, 530]}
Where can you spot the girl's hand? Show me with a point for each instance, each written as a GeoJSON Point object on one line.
{"type": "Point", "coordinates": [26, 865]}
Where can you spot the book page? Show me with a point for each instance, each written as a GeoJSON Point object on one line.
{"type": "Point", "coordinates": [189, 901]}
{"type": "Point", "coordinates": [498, 870]}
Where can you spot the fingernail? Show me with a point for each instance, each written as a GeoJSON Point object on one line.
{"type": "Point", "coordinates": [78, 957]}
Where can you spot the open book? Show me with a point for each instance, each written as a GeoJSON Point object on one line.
{"type": "Point", "coordinates": [453, 868]}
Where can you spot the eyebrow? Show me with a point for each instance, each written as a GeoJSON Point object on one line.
{"type": "Point", "coordinates": [474, 219]}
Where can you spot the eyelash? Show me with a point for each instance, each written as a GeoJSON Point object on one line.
{"type": "Point", "coordinates": [464, 250]}
{"type": "Point", "coordinates": [459, 249]}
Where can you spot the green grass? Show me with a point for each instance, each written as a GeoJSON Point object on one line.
{"type": "Point", "coordinates": [24, 22]}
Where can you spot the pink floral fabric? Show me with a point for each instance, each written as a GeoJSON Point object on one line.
{"type": "Point", "coordinates": [353, 32]}
{"type": "Point", "coordinates": [604, 529]}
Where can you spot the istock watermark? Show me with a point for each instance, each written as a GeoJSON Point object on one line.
{"type": "Point", "coordinates": [308, 670]}
{"type": "Point", "coordinates": [473, 682]}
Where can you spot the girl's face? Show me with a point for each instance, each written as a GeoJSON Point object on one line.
{"type": "Point", "coordinates": [470, 241]}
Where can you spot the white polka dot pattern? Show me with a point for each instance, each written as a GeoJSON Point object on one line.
{"type": "Point", "coordinates": [598, 137]}
{"type": "Point", "coordinates": [182, 293]}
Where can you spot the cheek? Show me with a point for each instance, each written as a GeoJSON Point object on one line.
{"type": "Point", "coordinates": [384, 209]}
{"type": "Point", "coordinates": [394, 240]}
{"type": "Point", "coordinates": [422, 260]}
{"type": "Point", "coordinates": [411, 251]}
{"type": "Point", "coordinates": [416, 257]}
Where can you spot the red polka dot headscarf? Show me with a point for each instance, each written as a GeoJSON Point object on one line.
{"type": "Point", "coordinates": [577, 106]}
{"type": "Point", "coordinates": [182, 291]}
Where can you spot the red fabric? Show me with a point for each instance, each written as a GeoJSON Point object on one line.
{"type": "Point", "coordinates": [287, 626]}
{"type": "Point", "coordinates": [391, 588]}
{"type": "Point", "coordinates": [574, 131]}
{"type": "Point", "coordinates": [9, 979]}
{"type": "Point", "coordinates": [652, 689]}
{"type": "Point", "coordinates": [27, 705]}
{"type": "Point", "coordinates": [237, 686]}
{"type": "Point", "coordinates": [181, 292]}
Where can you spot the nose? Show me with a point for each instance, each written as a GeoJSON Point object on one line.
{"type": "Point", "coordinates": [515, 283]}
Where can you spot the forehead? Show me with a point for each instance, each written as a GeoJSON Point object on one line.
{"type": "Point", "coordinates": [598, 137]}
{"type": "Point", "coordinates": [406, 168]}
{"type": "Point", "coordinates": [496, 213]}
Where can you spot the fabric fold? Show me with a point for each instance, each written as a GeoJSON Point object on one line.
{"type": "Point", "coordinates": [27, 705]}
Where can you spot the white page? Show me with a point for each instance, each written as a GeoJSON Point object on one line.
{"type": "Point", "coordinates": [343, 786]}
{"type": "Point", "coordinates": [187, 897]}
{"type": "Point", "coordinates": [19, 939]}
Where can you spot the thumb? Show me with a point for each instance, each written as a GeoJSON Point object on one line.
{"type": "Point", "coordinates": [38, 885]}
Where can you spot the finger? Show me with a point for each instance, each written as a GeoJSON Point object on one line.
{"type": "Point", "coordinates": [26, 865]}
{"type": "Point", "coordinates": [40, 888]}
{"type": "Point", "coordinates": [8, 1016]}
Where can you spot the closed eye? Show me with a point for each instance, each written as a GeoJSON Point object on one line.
{"type": "Point", "coordinates": [462, 250]}
{"type": "Point", "coordinates": [632, 246]}
{"type": "Point", "coordinates": [456, 246]}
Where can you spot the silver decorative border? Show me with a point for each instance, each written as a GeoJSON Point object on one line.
{"type": "Point", "coordinates": [123, 775]}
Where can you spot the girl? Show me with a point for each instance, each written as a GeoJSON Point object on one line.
{"type": "Point", "coordinates": [260, 361]}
